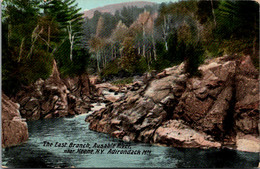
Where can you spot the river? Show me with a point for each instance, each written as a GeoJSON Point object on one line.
{"type": "Point", "coordinates": [75, 130]}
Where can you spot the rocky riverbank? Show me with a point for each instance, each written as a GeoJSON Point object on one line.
{"type": "Point", "coordinates": [218, 109]}
{"type": "Point", "coordinates": [14, 128]}
{"type": "Point", "coordinates": [56, 97]}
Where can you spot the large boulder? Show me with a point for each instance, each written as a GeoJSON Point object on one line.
{"type": "Point", "coordinates": [14, 128]}
{"type": "Point", "coordinates": [175, 133]}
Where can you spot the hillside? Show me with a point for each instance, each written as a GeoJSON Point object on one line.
{"type": "Point", "coordinates": [114, 7]}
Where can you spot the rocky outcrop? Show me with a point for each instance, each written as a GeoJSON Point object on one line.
{"type": "Point", "coordinates": [217, 109]}
{"type": "Point", "coordinates": [55, 97]}
{"type": "Point", "coordinates": [14, 128]}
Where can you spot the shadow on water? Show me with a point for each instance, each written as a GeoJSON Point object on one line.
{"type": "Point", "coordinates": [30, 156]}
{"type": "Point", "coordinates": [212, 158]}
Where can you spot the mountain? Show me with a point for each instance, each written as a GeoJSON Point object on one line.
{"type": "Point", "coordinates": [114, 7]}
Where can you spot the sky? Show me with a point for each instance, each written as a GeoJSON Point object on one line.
{"type": "Point", "coordinates": [90, 4]}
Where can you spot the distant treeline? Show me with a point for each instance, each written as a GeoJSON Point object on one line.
{"type": "Point", "coordinates": [133, 41]}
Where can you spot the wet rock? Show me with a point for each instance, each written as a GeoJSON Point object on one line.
{"type": "Point", "coordinates": [126, 138]}
{"type": "Point", "coordinates": [248, 143]}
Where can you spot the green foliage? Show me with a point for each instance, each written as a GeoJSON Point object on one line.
{"type": "Point", "coordinates": [194, 54]}
{"type": "Point", "coordinates": [112, 69]}
{"type": "Point", "coordinates": [69, 22]}
{"type": "Point", "coordinates": [38, 66]}
{"type": "Point", "coordinates": [28, 70]}
{"type": "Point", "coordinates": [128, 65]}
{"type": "Point", "coordinates": [179, 51]}
{"type": "Point", "coordinates": [123, 81]}
{"type": "Point", "coordinates": [131, 61]}
{"type": "Point", "coordinates": [24, 61]}
{"type": "Point", "coordinates": [238, 21]}
{"type": "Point", "coordinates": [31, 39]}
{"type": "Point", "coordinates": [213, 49]}
{"type": "Point", "coordinates": [216, 27]}
{"type": "Point", "coordinates": [64, 11]}
{"type": "Point", "coordinates": [77, 66]}
{"type": "Point", "coordinates": [205, 10]}
{"type": "Point", "coordinates": [182, 32]}
{"type": "Point", "coordinates": [168, 58]}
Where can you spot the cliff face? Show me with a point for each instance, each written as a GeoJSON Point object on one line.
{"type": "Point", "coordinates": [55, 97]}
{"type": "Point", "coordinates": [219, 108]}
{"type": "Point", "coordinates": [14, 128]}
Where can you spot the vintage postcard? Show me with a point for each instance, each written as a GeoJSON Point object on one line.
{"type": "Point", "coordinates": [130, 84]}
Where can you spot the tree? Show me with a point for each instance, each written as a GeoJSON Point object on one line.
{"type": "Point", "coordinates": [68, 39]}
{"type": "Point", "coordinates": [130, 60]}
{"type": "Point", "coordinates": [96, 45]}
{"type": "Point", "coordinates": [32, 41]}
{"type": "Point", "coordinates": [206, 11]}
{"type": "Point", "coordinates": [238, 23]}
{"type": "Point", "coordinates": [24, 57]}
{"type": "Point", "coordinates": [117, 37]}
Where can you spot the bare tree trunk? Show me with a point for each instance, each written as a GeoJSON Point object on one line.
{"type": "Point", "coordinates": [49, 33]}
{"type": "Point", "coordinates": [103, 58]}
{"type": "Point", "coordinates": [165, 34]}
{"type": "Point", "coordinates": [149, 60]}
{"type": "Point", "coordinates": [71, 39]}
{"type": "Point", "coordinates": [254, 46]}
{"type": "Point", "coordinates": [9, 34]}
{"type": "Point", "coordinates": [139, 48]}
{"type": "Point", "coordinates": [143, 41]}
{"type": "Point", "coordinates": [154, 49]}
{"type": "Point", "coordinates": [35, 34]}
{"type": "Point", "coordinates": [21, 50]}
{"type": "Point", "coordinates": [105, 61]}
{"type": "Point", "coordinates": [98, 61]}
{"type": "Point", "coordinates": [213, 13]}
{"type": "Point", "coordinates": [254, 41]}
{"type": "Point", "coordinates": [112, 54]}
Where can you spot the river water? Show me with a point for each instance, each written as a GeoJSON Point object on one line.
{"type": "Point", "coordinates": [75, 130]}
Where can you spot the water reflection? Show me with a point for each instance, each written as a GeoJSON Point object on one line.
{"type": "Point", "coordinates": [30, 156]}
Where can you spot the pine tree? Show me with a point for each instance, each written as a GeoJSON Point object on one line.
{"type": "Point", "coordinates": [24, 59]}
{"type": "Point", "coordinates": [68, 40]}
{"type": "Point", "coordinates": [238, 24]}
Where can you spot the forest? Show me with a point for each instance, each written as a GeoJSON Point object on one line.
{"type": "Point", "coordinates": [131, 42]}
